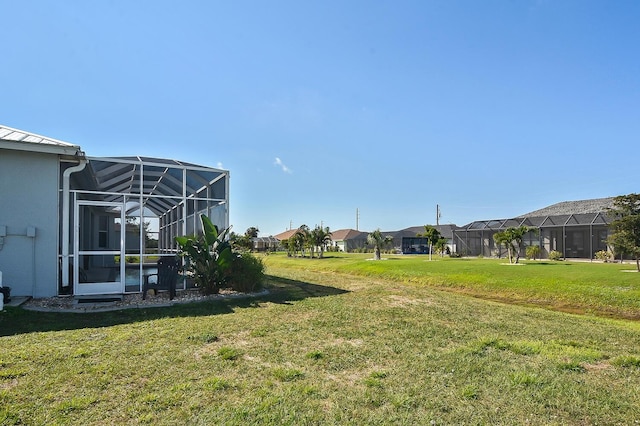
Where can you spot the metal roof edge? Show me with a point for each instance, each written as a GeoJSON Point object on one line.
{"type": "Point", "coordinates": [26, 142]}
{"type": "Point", "coordinates": [39, 147]}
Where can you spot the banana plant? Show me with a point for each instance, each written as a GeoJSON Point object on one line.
{"type": "Point", "coordinates": [207, 256]}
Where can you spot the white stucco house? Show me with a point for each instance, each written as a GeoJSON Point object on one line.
{"type": "Point", "coordinates": [68, 220]}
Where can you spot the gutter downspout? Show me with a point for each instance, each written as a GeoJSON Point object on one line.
{"type": "Point", "coordinates": [82, 162]}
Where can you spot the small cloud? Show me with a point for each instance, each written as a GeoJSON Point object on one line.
{"type": "Point", "coordinates": [280, 164]}
{"type": "Point", "coordinates": [219, 165]}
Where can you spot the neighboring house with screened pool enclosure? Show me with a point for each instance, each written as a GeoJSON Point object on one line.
{"type": "Point", "coordinates": [577, 229]}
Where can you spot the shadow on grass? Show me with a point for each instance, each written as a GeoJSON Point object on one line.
{"type": "Point", "coordinates": [547, 263]}
{"type": "Point", "coordinates": [281, 290]}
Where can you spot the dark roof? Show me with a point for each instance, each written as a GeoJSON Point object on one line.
{"type": "Point", "coordinates": [597, 205]}
{"type": "Point", "coordinates": [582, 212]}
{"type": "Point", "coordinates": [445, 230]}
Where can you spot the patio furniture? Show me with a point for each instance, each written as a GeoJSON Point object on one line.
{"type": "Point", "coordinates": [6, 291]}
{"type": "Point", "coordinates": [165, 279]}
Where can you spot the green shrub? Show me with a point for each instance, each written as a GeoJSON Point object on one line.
{"type": "Point", "coordinates": [604, 255]}
{"type": "Point", "coordinates": [532, 252]}
{"type": "Point", "coordinates": [246, 273]}
{"type": "Point", "coordinates": [555, 255]}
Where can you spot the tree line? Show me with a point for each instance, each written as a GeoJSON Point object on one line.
{"type": "Point", "coordinates": [309, 240]}
{"type": "Point", "coordinates": [304, 240]}
{"type": "Point", "coordinates": [624, 236]}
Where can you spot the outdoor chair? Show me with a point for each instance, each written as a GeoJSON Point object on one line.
{"type": "Point", "coordinates": [6, 291]}
{"type": "Point", "coordinates": [165, 279]}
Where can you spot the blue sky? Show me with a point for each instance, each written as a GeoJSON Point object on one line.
{"type": "Point", "coordinates": [490, 109]}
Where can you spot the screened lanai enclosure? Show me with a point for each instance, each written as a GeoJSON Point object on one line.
{"type": "Point", "coordinates": [577, 229]}
{"type": "Point", "coordinates": [120, 215]}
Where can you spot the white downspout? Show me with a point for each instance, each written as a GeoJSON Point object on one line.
{"type": "Point", "coordinates": [65, 217]}
{"type": "Point", "coordinates": [226, 199]}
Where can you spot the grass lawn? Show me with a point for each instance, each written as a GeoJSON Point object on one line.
{"type": "Point", "coordinates": [342, 341]}
{"type": "Point", "coordinates": [578, 287]}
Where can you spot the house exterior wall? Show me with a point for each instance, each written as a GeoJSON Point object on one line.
{"type": "Point", "coordinates": [349, 245]}
{"type": "Point", "coordinates": [354, 244]}
{"type": "Point", "coordinates": [341, 245]}
{"type": "Point", "coordinates": [29, 191]}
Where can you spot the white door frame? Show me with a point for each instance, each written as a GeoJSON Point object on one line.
{"type": "Point", "coordinates": [115, 287]}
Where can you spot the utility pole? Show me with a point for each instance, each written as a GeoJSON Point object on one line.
{"type": "Point", "coordinates": [357, 218]}
{"type": "Point", "coordinates": [438, 214]}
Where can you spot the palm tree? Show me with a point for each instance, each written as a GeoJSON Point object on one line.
{"type": "Point", "coordinates": [252, 232]}
{"type": "Point", "coordinates": [441, 246]}
{"type": "Point", "coordinates": [297, 241]}
{"type": "Point", "coordinates": [512, 239]}
{"type": "Point", "coordinates": [321, 237]}
{"type": "Point", "coordinates": [291, 247]}
{"type": "Point", "coordinates": [377, 240]}
{"type": "Point", "coordinates": [301, 238]}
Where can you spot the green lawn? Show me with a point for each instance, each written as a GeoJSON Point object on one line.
{"type": "Point", "coordinates": [375, 343]}
{"type": "Point", "coordinates": [579, 287]}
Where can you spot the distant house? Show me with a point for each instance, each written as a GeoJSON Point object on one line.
{"type": "Point", "coordinates": [408, 242]}
{"type": "Point", "coordinates": [62, 215]}
{"type": "Point", "coordinates": [578, 229]}
{"type": "Point", "coordinates": [270, 243]}
{"type": "Point", "coordinates": [348, 240]}
{"type": "Point", "coordinates": [284, 236]}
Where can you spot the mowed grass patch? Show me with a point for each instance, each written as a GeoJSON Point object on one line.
{"type": "Point", "coordinates": [579, 287]}
{"type": "Point", "coordinates": [322, 348]}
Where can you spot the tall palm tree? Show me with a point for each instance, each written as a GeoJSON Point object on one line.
{"type": "Point", "coordinates": [301, 238]}
{"type": "Point", "coordinates": [377, 240]}
{"type": "Point", "coordinates": [321, 237]}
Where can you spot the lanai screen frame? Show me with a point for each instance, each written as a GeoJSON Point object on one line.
{"type": "Point", "coordinates": [562, 222]}
{"type": "Point", "coordinates": [175, 192]}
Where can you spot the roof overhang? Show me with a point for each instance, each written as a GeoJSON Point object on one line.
{"type": "Point", "coordinates": [19, 140]}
